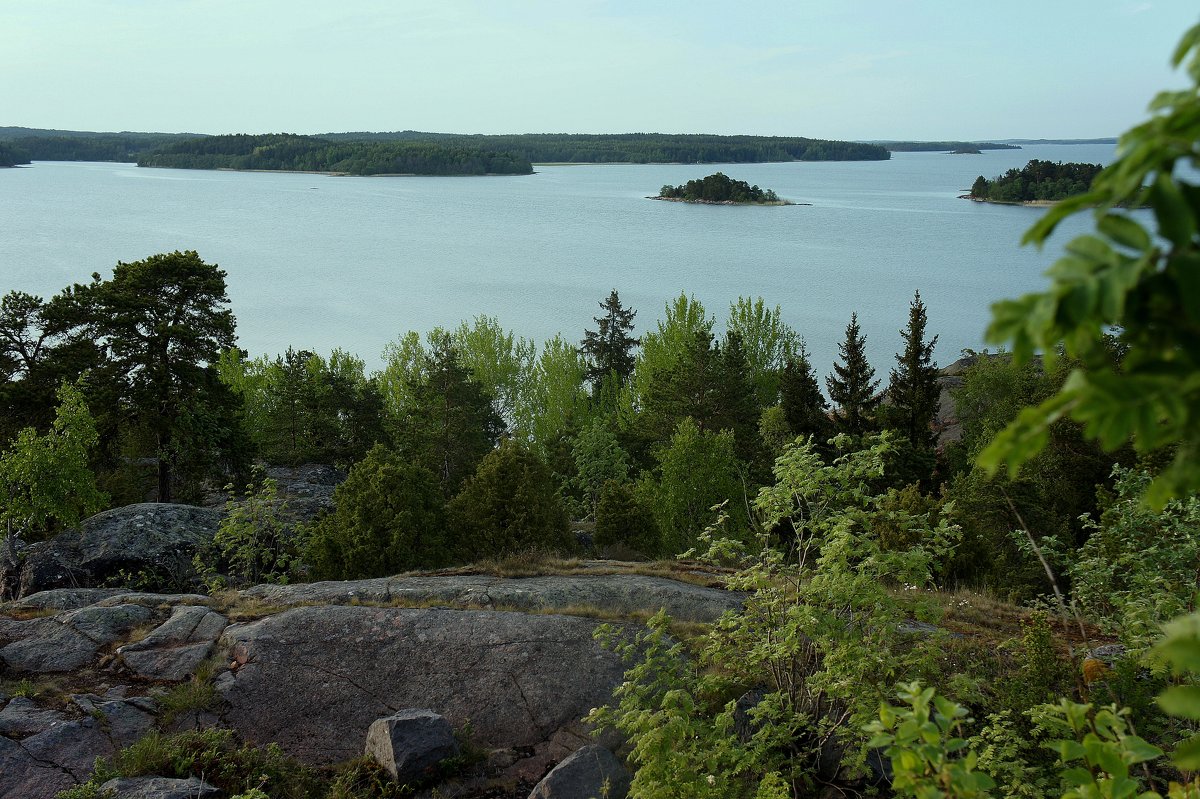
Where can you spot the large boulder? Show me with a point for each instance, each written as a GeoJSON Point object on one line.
{"type": "Point", "coordinates": [592, 772]}
{"type": "Point", "coordinates": [410, 744]}
{"type": "Point", "coordinates": [313, 679]}
{"type": "Point", "coordinates": [155, 539]}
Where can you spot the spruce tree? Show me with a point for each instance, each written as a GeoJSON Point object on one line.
{"type": "Point", "coordinates": [804, 407]}
{"type": "Point", "coordinates": [609, 348]}
{"type": "Point", "coordinates": [913, 388]}
{"type": "Point", "coordinates": [852, 385]}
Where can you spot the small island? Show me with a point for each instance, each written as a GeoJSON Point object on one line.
{"type": "Point", "coordinates": [720, 189]}
{"type": "Point", "coordinates": [1037, 183]}
{"type": "Point", "coordinates": [967, 151]}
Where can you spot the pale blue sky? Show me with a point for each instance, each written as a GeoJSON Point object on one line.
{"type": "Point", "coordinates": [845, 69]}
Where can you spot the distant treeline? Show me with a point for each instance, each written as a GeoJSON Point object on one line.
{"type": "Point", "coordinates": [1037, 180]}
{"type": "Point", "coordinates": [941, 146]}
{"type": "Point", "coordinates": [645, 148]}
{"type": "Point", "coordinates": [310, 154]}
{"type": "Point", "coordinates": [35, 144]}
{"type": "Point", "coordinates": [631, 148]}
{"type": "Point", "coordinates": [719, 188]}
{"type": "Point", "coordinates": [10, 156]}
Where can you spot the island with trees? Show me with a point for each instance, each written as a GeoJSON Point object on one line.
{"type": "Point", "coordinates": [719, 189]}
{"type": "Point", "coordinates": [1037, 182]}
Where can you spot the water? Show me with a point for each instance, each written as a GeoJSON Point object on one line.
{"type": "Point", "coordinates": [318, 262]}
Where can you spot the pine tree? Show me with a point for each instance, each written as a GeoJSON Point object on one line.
{"type": "Point", "coordinates": [852, 385]}
{"type": "Point", "coordinates": [609, 349]}
{"type": "Point", "coordinates": [804, 407]}
{"type": "Point", "coordinates": [913, 389]}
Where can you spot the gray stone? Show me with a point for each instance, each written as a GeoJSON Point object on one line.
{"type": "Point", "coordinates": [174, 649]}
{"type": "Point", "coordinates": [159, 788]}
{"type": "Point", "coordinates": [314, 678]}
{"type": "Point", "coordinates": [72, 747]}
{"type": "Point", "coordinates": [156, 538]}
{"type": "Point", "coordinates": [592, 772]}
{"type": "Point", "coordinates": [61, 599]}
{"type": "Point", "coordinates": [22, 717]}
{"type": "Point", "coordinates": [23, 776]}
{"type": "Point", "coordinates": [67, 641]}
{"type": "Point", "coordinates": [410, 744]}
{"type": "Point", "coordinates": [619, 593]}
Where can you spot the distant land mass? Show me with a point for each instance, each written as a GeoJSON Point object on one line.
{"type": "Point", "coordinates": [1035, 183]}
{"type": "Point", "coordinates": [39, 144]}
{"type": "Point", "coordinates": [289, 153]}
{"type": "Point", "coordinates": [1106, 140]}
{"type": "Point", "coordinates": [944, 146]}
{"type": "Point", "coordinates": [11, 157]}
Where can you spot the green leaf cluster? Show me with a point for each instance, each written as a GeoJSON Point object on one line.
{"type": "Point", "coordinates": [1145, 286]}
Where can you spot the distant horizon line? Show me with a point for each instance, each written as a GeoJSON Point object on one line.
{"type": "Point", "coordinates": [9, 130]}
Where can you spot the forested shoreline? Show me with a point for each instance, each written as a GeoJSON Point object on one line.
{"type": "Point", "coordinates": [632, 148]}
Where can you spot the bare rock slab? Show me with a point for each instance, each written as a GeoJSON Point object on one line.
{"type": "Point", "coordinates": [174, 649]}
{"type": "Point", "coordinates": [592, 772]}
{"type": "Point", "coordinates": [313, 679]}
{"type": "Point", "coordinates": [67, 641]}
{"type": "Point", "coordinates": [409, 744]}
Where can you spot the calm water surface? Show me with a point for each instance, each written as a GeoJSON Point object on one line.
{"type": "Point", "coordinates": [317, 262]}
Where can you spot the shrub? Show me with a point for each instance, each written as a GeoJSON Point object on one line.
{"type": "Point", "coordinates": [508, 505]}
{"type": "Point", "coordinates": [389, 517]}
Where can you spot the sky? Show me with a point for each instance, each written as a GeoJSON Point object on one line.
{"type": "Point", "coordinates": [839, 69]}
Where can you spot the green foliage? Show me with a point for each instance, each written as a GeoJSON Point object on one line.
{"type": "Point", "coordinates": [555, 401]}
{"type": "Point", "coordinates": [303, 408]}
{"type": "Point", "coordinates": [769, 344]}
{"type": "Point", "coordinates": [510, 504]}
{"type": "Point", "coordinates": [388, 517]}
{"type": "Point", "coordinates": [609, 348]}
{"type": "Point", "coordinates": [599, 459]}
{"type": "Point", "coordinates": [913, 391]}
{"type": "Point", "coordinates": [1145, 285]}
{"type": "Point", "coordinates": [215, 755]}
{"type": "Point", "coordinates": [164, 322]}
{"type": "Point", "coordinates": [1138, 567]}
{"type": "Point", "coordinates": [697, 470]}
{"type": "Point", "coordinates": [498, 361]}
{"type": "Point", "coordinates": [852, 385]}
{"type": "Point", "coordinates": [448, 422]}
{"type": "Point", "coordinates": [804, 406]}
{"type": "Point", "coordinates": [45, 479]}
{"type": "Point", "coordinates": [1179, 650]}
{"type": "Point", "coordinates": [1037, 180]}
{"type": "Point", "coordinates": [253, 543]}
{"type": "Point", "coordinates": [625, 520]}
{"type": "Point", "coordinates": [720, 188]}
{"type": "Point", "coordinates": [925, 742]}
{"type": "Point", "coordinates": [820, 637]}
